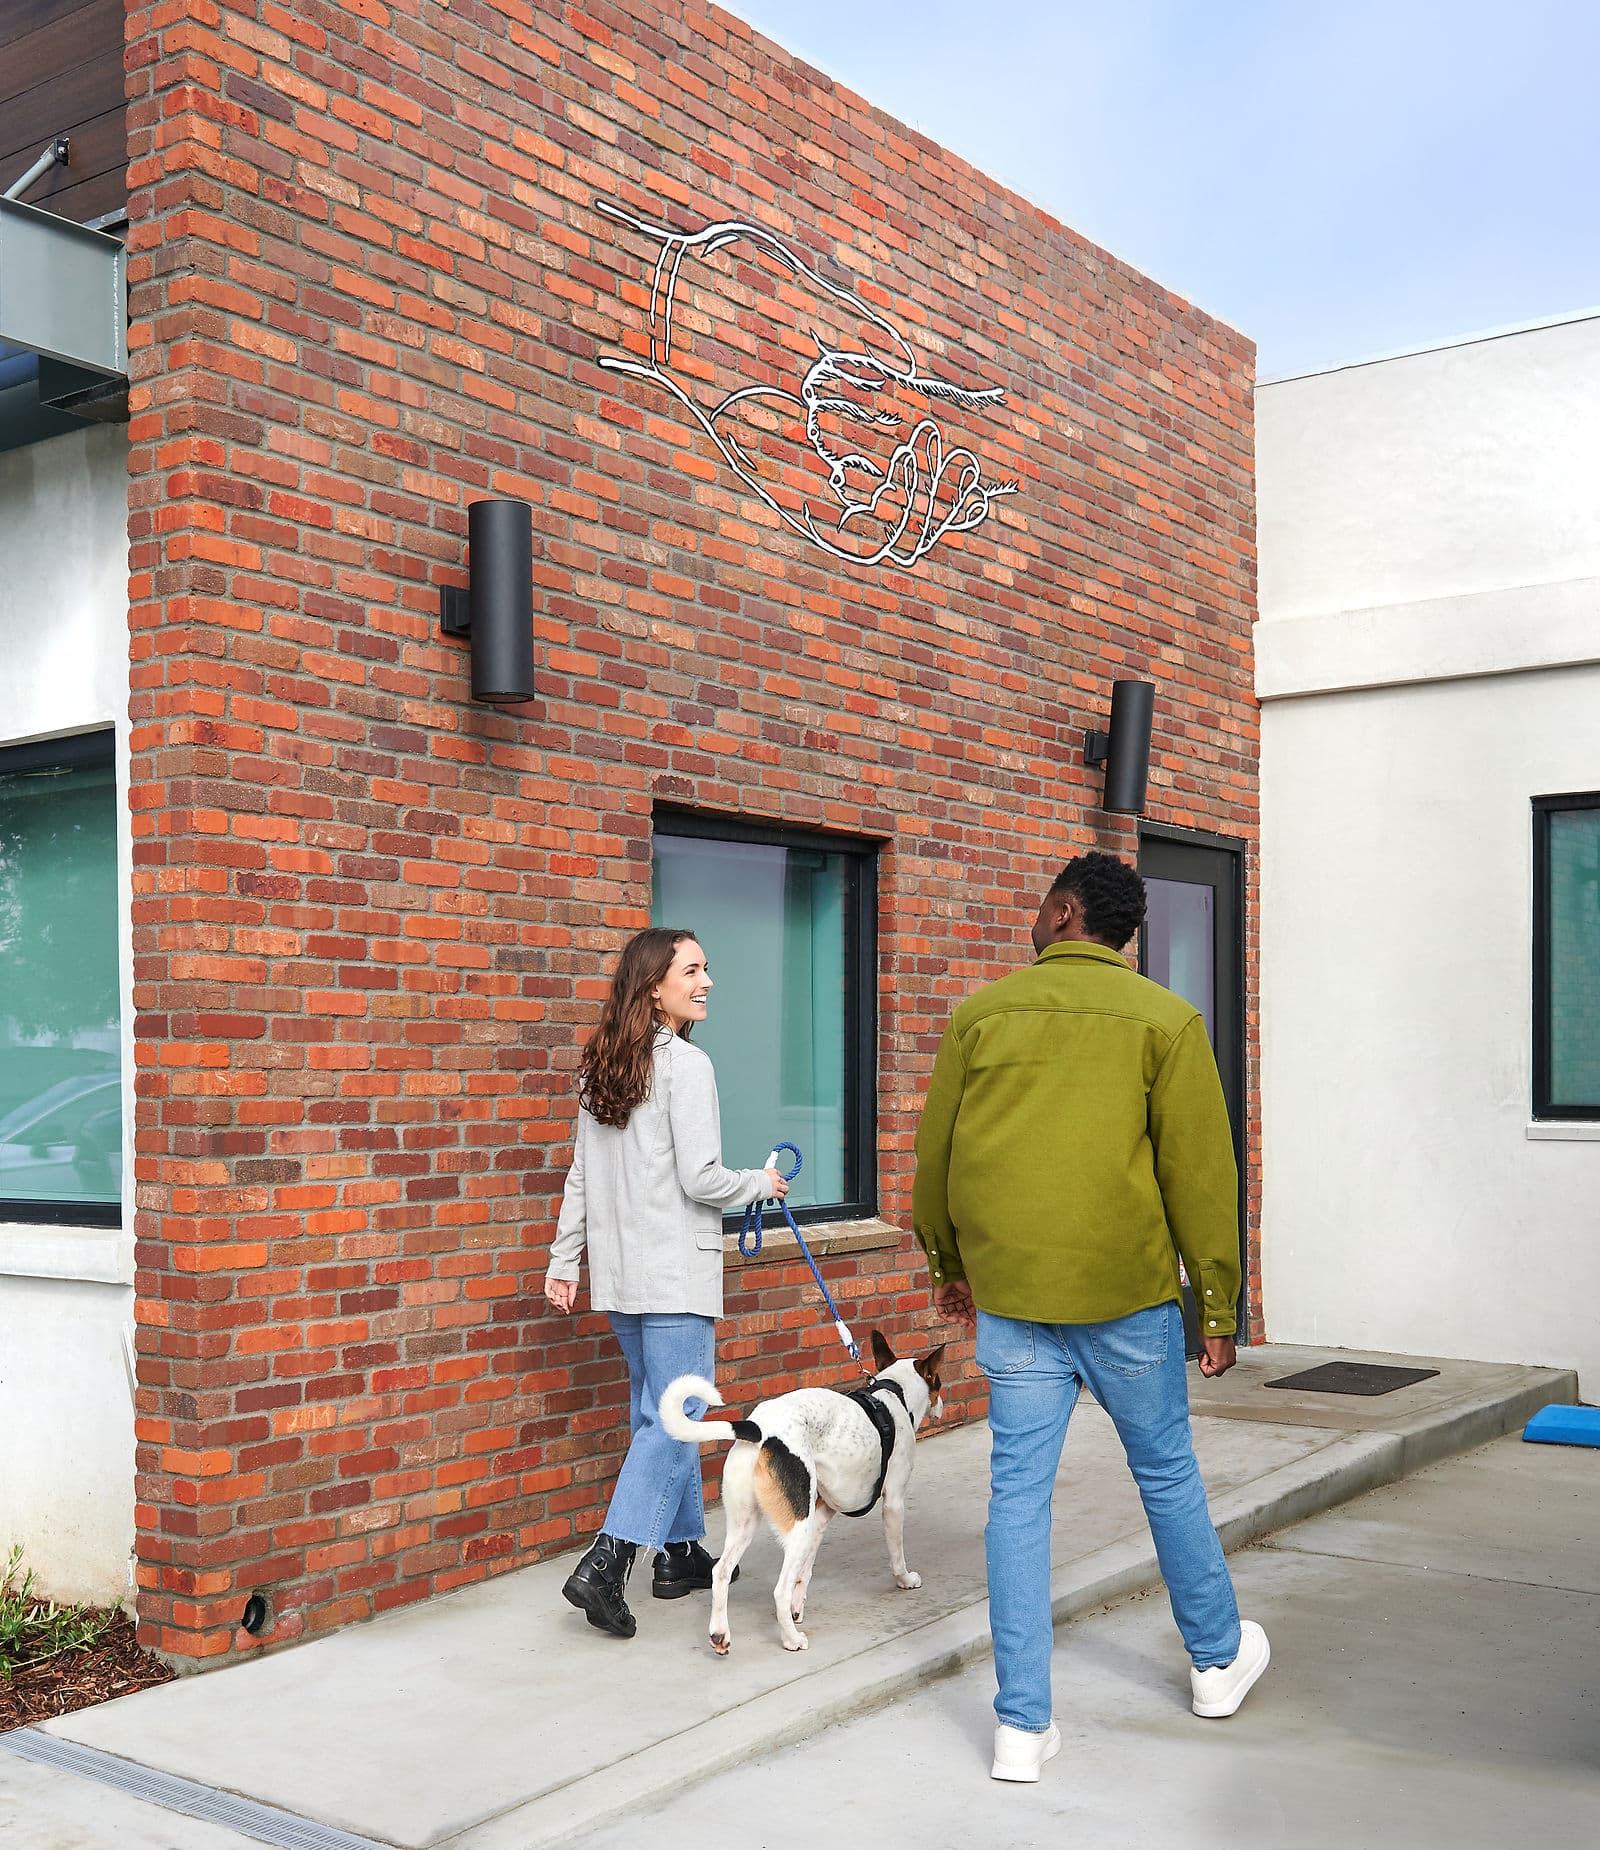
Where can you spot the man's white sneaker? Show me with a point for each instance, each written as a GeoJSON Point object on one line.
{"type": "Point", "coordinates": [1019, 1754]}
{"type": "Point", "coordinates": [1219, 1692]}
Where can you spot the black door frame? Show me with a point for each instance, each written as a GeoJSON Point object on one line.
{"type": "Point", "coordinates": [1229, 967]}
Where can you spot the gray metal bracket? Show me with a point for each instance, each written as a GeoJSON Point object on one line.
{"type": "Point", "coordinates": [455, 610]}
{"type": "Point", "coordinates": [63, 290]}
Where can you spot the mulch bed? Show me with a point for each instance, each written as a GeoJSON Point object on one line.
{"type": "Point", "coordinates": [114, 1665]}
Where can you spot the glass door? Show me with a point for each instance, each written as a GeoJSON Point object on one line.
{"type": "Point", "coordinates": [1193, 944]}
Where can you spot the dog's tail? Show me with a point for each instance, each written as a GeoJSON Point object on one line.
{"type": "Point", "coordinates": [698, 1432]}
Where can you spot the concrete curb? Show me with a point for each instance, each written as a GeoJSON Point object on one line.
{"type": "Point", "coordinates": [1345, 1468]}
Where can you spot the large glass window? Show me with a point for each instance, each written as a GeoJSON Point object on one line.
{"type": "Point", "coordinates": [60, 1014]}
{"type": "Point", "coordinates": [787, 921]}
{"type": "Point", "coordinates": [1566, 957]}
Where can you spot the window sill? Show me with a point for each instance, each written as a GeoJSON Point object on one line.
{"type": "Point", "coordinates": [825, 1238]}
{"type": "Point", "coordinates": [1564, 1130]}
{"type": "Point", "coordinates": [89, 1255]}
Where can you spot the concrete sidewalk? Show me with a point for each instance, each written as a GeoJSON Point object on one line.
{"type": "Point", "coordinates": [1432, 1687]}
{"type": "Point", "coordinates": [496, 1719]}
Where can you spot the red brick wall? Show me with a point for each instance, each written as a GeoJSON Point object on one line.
{"type": "Point", "coordinates": [369, 285]}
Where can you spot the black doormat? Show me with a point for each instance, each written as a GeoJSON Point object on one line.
{"type": "Point", "coordinates": [1352, 1378]}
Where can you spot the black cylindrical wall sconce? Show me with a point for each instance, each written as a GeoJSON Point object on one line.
{"type": "Point", "coordinates": [496, 608]}
{"type": "Point", "coordinates": [1125, 748]}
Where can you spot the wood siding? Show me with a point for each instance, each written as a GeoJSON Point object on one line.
{"type": "Point", "coordinates": [61, 74]}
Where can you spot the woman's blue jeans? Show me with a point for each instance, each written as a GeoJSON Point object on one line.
{"type": "Point", "coordinates": [1134, 1367]}
{"type": "Point", "coordinates": [657, 1499]}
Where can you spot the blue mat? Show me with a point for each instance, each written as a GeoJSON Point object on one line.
{"type": "Point", "coordinates": [1564, 1426]}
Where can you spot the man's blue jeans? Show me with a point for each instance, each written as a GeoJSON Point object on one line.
{"type": "Point", "coordinates": [657, 1499]}
{"type": "Point", "coordinates": [1134, 1367]}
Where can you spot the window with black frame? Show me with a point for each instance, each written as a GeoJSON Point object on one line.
{"type": "Point", "coordinates": [788, 923]}
{"type": "Point", "coordinates": [1566, 956]}
{"type": "Point", "coordinates": [60, 998]}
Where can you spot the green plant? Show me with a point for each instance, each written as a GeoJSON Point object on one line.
{"type": "Point", "coordinates": [33, 1630]}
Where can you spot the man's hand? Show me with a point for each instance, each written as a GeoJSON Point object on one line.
{"type": "Point", "coordinates": [1217, 1355]}
{"type": "Point", "coordinates": [561, 1292]}
{"type": "Point", "coordinates": [954, 1303]}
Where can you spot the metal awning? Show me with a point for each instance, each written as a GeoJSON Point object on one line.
{"type": "Point", "coordinates": [63, 325]}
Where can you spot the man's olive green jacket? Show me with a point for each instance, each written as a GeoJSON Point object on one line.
{"type": "Point", "coordinates": [1073, 1143]}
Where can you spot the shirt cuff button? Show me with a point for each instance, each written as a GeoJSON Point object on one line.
{"type": "Point", "coordinates": [1213, 1323]}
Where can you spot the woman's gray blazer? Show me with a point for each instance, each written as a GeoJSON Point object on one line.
{"type": "Point", "coordinates": [648, 1199]}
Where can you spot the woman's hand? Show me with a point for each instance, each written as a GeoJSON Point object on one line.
{"type": "Point", "coordinates": [777, 1187]}
{"type": "Point", "coordinates": [561, 1293]}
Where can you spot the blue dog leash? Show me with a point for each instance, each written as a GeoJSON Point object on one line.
{"type": "Point", "coordinates": [750, 1246]}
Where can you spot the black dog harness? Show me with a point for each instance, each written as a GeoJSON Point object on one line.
{"type": "Point", "coordinates": [882, 1419]}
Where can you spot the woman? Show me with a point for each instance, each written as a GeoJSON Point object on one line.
{"type": "Point", "coordinates": [646, 1193]}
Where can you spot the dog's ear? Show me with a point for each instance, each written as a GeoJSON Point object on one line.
{"type": "Point", "coordinates": [928, 1367]}
{"type": "Point", "coordinates": [882, 1354]}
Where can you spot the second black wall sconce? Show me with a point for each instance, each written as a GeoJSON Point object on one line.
{"type": "Point", "coordinates": [495, 608]}
{"type": "Point", "coordinates": [1125, 749]}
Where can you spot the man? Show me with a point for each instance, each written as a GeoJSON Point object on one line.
{"type": "Point", "coordinates": [1073, 1144]}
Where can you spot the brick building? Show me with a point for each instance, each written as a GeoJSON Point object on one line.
{"type": "Point", "coordinates": [856, 481]}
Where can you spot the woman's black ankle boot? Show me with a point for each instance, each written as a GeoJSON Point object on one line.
{"type": "Point", "coordinates": [596, 1585]}
{"type": "Point", "coordinates": [682, 1567]}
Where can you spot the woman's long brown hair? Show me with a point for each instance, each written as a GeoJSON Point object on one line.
{"type": "Point", "coordinates": [614, 1073]}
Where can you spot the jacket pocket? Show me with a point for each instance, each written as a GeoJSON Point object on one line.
{"type": "Point", "coordinates": [708, 1239]}
{"type": "Point", "coordinates": [1005, 1345]}
{"type": "Point", "coordinates": [1133, 1345]}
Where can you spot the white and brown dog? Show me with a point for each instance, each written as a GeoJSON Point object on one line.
{"type": "Point", "coordinates": [803, 1458]}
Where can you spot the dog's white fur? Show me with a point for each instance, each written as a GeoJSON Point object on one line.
{"type": "Point", "coordinates": [837, 1446]}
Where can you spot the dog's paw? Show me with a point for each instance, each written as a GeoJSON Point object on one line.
{"type": "Point", "coordinates": [721, 1643]}
{"type": "Point", "coordinates": [908, 1581]}
{"type": "Point", "coordinates": [799, 1642]}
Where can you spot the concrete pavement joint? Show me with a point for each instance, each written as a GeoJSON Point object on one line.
{"type": "Point", "coordinates": [267, 1824]}
{"type": "Point", "coordinates": [1427, 1567]}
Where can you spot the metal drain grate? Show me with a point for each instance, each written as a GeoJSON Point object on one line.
{"type": "Point", "coordinates": [1352, 1378]}
{"type": "Point", "coordinates": [284, 1830]}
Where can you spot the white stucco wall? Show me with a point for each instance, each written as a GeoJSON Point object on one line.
{"type": "Point", "coordinates": [1468, 468]}
{"type": "Point", "coordinates": [1428, 661]}
{"type": "Point", "coordinates": [66, 1294]}
{"type": "Point", "coordinates": [1405, 1206]}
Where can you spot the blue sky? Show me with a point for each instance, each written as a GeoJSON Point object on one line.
{"type": "Point", "coordinates": [1336, 180]}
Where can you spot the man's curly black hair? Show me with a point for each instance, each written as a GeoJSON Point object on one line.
{"type": "Point", "coordinates": [1111, 893]}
